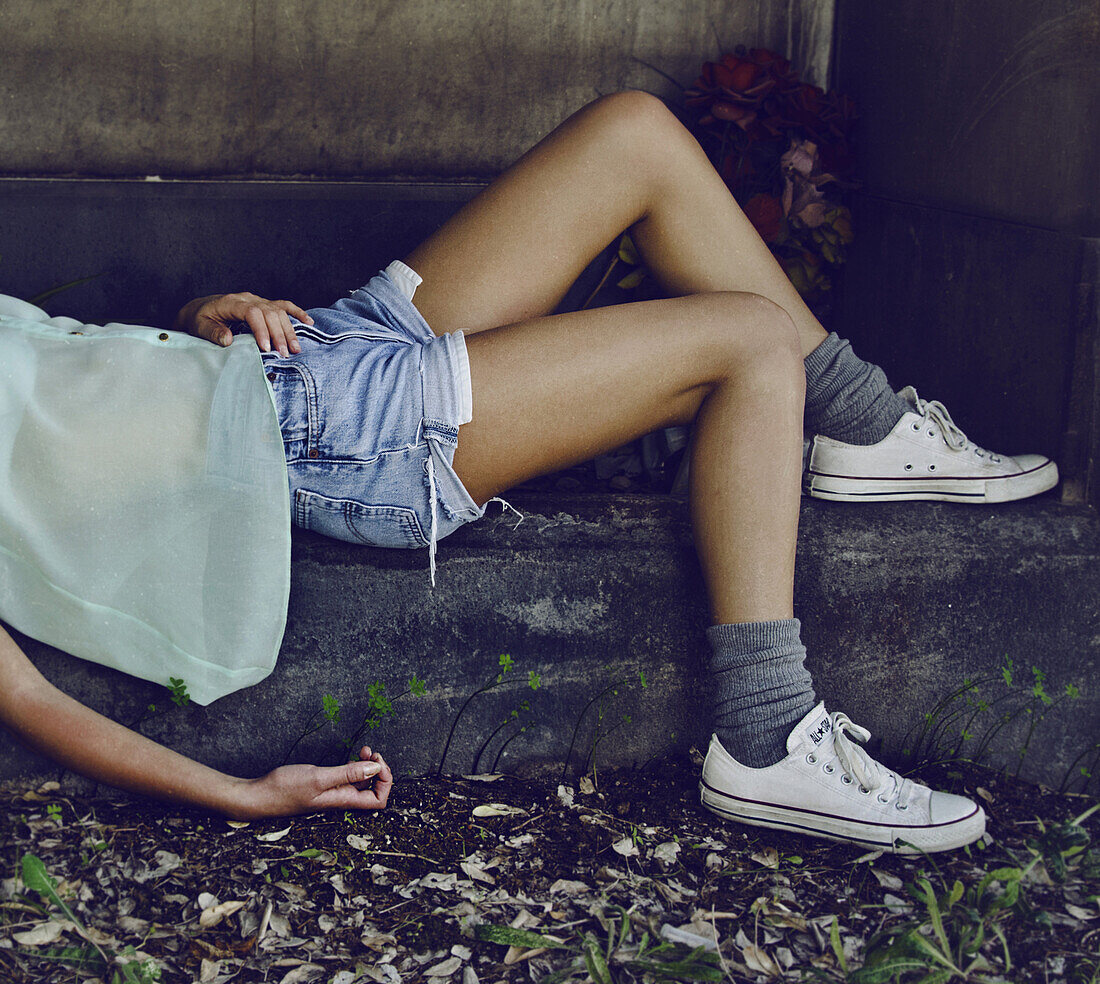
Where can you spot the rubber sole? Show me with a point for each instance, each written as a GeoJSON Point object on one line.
{"type": "Point", "coordinates": [849, 488]}
{"type": "Point", "coordinates": [926, 839]}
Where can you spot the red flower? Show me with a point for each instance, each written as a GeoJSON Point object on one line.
{"type": "Point", "coordinates": [766, 214]}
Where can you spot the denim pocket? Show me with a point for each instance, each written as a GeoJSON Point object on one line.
{"type": "Point", "coordinates": [358, 522]}
{"type": "Point", "coordinates": [295, 399]}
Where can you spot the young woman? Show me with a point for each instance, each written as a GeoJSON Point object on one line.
{"type": "Point", "coordinates": [400, 421]}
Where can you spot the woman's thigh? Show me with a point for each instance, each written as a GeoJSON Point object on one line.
{"type": "Point", "coordinates": [557, 390]}
{"type": "Point", "coordinates": [512, 252]}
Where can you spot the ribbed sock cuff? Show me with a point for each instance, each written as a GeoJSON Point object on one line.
{"type": "Point", "coordinates": [846, 398]}
{"type": "Point", "coordinates": [761, 687]}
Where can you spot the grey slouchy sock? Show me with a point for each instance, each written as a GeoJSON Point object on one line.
{"type": "Point", "coordinates": [848, 399]}
{"type": "Point", "coordinates": [761, 688]}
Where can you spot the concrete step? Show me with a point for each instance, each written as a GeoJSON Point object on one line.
{"type": "Point", "coordinates": [900, 604]}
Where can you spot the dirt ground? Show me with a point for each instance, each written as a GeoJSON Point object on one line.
{"type": "Point", "coordinates": [627, 880]}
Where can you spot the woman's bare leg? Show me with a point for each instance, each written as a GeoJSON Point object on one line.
{"type": "Point", "coordinates": [622, 162]}
{"type": "Point", "coordinates": [557, 390]}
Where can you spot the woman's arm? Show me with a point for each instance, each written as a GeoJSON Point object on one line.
{"type": "Point", "coordinates": [211, 317]}
{"type": "Point", "coordinates": [98, 747]}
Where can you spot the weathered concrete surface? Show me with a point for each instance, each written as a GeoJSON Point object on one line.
{"type": "Point", "coordinates": [151, 245]}
{"type": "Point", "coordinates": [980, 314]}
{"type": "Point", "coordinates": [900, 603]}
{"type": "Point", "coordinates": [325, 87]}
{"type": "Point", "coordinates": [990, 109]}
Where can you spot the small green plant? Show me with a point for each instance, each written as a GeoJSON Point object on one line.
{"type": "Point", "coordinates": [534, 681]}
{"type": "Point", "coordinates": [178, 689]}
{"type": "Point", "coordinates": [380, 707]}
{"type": "Point", "coordinates": [599, 961]}
{"type": "Point", "coordinates": [506, 663]}
{"type": "Point", "coordinates": [328, 714]}
{"type": "Point", "coordinates": [53, 811]}
{"type": "Point", "coordinates": [127, 967]}
{"type": "Point", "coordinates": [626, 254]}
{"type": "Point", "coordinates": [598, 733]}
{"type": "Point", "coordinates": [964, 723]}
{"type": "Point", "coordinates": [959, 932]}
{"type": "Point", "coordinates": [961, 920]}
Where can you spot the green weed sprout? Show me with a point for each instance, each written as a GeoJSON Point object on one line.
{"type": "Point", "coordinates": [597, 737]}
{"type": "Point", "coordinates": [380, 707]}
{"type": "Point", "coordinates": [329, 713]}
{"type": "Point", "coordinates": [90, 957]}
{"type": "Point", "coordinates": [178, 689]}
{"type": "Point", "coordinates": [534, 681]}
{"type": "Point", "coordinates": [505, 662]}
{"type": "Point", "coordinates": [964, 723]}
{"type": "Point", "coordinates": [663, 961]}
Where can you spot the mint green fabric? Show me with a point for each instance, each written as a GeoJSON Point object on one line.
{"type": "Point", "coordinates": [144, 513]}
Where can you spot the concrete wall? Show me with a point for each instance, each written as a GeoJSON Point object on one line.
{"type": "Point", "coordinates": [345, 87]}
{"type": "Point", "coordinates": [973, 274]}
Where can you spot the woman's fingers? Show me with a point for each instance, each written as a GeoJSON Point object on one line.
{"type": "Point", "coordinates": [269, 321]}
{"type": "Point", "coordinates": [342, 789]}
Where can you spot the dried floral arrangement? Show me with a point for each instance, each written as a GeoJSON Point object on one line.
{"type": "Point", "coordinates": [783, 148]}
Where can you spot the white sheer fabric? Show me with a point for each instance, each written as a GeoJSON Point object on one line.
{"type": "Point", "coordinates": [144, 513]}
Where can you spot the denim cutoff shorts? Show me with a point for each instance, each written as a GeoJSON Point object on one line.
{"type": "Point", "coordinates": [370, 410]}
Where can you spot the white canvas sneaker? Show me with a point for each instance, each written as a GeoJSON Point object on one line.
{"type": "Point", "coordinates": [828, 786]}
{"type": "Point", "coordinates": [925, 456]}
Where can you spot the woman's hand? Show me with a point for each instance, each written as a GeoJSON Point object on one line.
{"type": "Point", "coordinates": [291, 789]}
{"type": "Point", "coordinates": [212, 317]}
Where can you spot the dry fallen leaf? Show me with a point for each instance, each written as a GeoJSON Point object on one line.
{"type": "Point", "coordinates": [275, 835]}
{"type": "Point", "coordinates": [498, 810]}
{"type": "Point", "coordinates": [769, 857]}
{"type": "Point", "coordinates": [517, 953]}
{"type": "Point", "coordinates": [886, 880]}
{"type": "Point", "coordinates": [626, 847]}
{"type": "Point", "coordinates": [666, 853]}
{"type": "Point", "coordinates": [675, 935]}
{"type": "Point", "coordinates": [444, 969]}
{"type": "Point", "coordinates": [216, 913]}
{"type": "Point", "coordinates": [358, 842]}
{"type": "Point", "coordinates": [475, 871]}
{"type": "Point", "coordinates": [45, 932]}
{"type": "Point", "coordinates": [303, 973]}
{"type": "Point", "coordinates": [569, 887]}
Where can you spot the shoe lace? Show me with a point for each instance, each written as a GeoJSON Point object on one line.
{"type": "Point", "coordinates": [855, 761]}
{"type": "Point", "coordinates": [953, 436]}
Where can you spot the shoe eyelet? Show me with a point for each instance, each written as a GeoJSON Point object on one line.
{"type": "Point", "coordinates": [909, 467]}
{"type": "Point", "coordinates": [916, 427]}
{"type": "Point", "coordinates": [811, 758]}
{"type": "Point", "coordinates": [931, 467]}
{"type": "Point", "coordinates": [900, 806]}
{"type": "Point", "coordinates": [864, 790]}
{"type": "Point", "coordinates": [828, 769]}
{"type": "Point", "coordinates": [882, 801]}
{"type": "Point", "coordinates": [931, 433]}
{"type": "Point", "coordinates": [846, 779]}
{"type": "Point", "coordinates": [978, 453]}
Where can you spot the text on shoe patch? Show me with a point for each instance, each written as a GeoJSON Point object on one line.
{"type": "Point", "coordinates": [819, 733]}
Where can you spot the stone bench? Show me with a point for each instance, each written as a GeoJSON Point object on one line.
{"type": "Point", "coordinates": [900, 604]}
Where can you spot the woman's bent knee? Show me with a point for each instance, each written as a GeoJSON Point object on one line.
{"type": "Point", "coordinates": [634, 117]}
{"type": "Point", "coordinates": [749, 329]}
